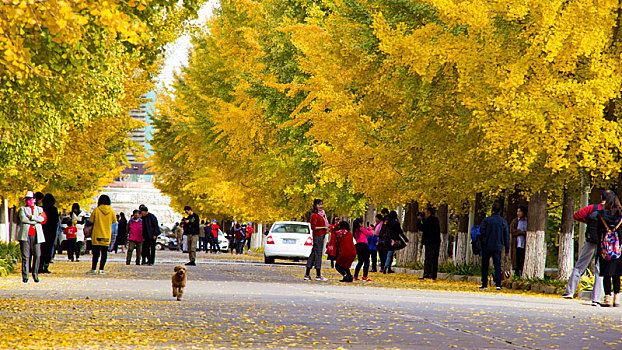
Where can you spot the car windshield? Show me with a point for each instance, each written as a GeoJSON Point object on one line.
{"type": "Point", "coordinates": [291, 228]}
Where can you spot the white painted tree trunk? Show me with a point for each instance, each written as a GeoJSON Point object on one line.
{"type": "Point", "coordinates": [461, 248]}
{"type": "Point", "coordinates": [565, 257]}
{"type": "Point", "coordinates": [535, 252]}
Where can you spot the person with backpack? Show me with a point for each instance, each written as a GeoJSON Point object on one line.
{"type": "Point", "coordinates": [589, 251]}
{"type": "Point", "coordinates": [609, 231]}
{"type": "Point", "coordinates": [494, 235]}
{"type": "Point", "coordinates": [362, 250]}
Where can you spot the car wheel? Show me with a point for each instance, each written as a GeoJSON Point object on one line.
{"type": "Point", "coordinates": [159, 246]}
{"type": "Point", "coordinates": [268, 260]}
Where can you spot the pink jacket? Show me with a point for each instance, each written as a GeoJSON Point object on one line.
{"type": "Point", "coordinates": [136, 230]}
{"type": "Point", "coordinates": [361, 236]}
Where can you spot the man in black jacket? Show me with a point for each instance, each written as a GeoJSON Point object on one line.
{"type": "Point", "coordinates": [431, 239]}
{"type": "Point", "coordinates": [494, 235]}
{"type": "Point", "coordinates": [191, 229]}
{"type": "Point", "coordinates": [151, 231]}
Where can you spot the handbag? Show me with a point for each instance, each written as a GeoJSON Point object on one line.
{"type": "Point", "coordinates": [88, 231]}
{"type": "Point", "coordinates": [397, 244]}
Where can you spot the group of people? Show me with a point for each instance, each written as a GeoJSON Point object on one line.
{"type": "Point", "coordinates": [344, 245]}
{"type": "Point", "coordinates": [40, 224]}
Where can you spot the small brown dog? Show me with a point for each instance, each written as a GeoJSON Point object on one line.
{"type": "Point", "coordinates": [179, 281]}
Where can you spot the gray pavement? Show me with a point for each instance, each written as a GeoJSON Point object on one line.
{"type": "Point", "coordinates": [232, 304]}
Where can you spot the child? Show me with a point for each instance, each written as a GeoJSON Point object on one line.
{"type": "Point", "coordinates": [135, 229]}
{"type": "Point", "coordinates": [344, 242]}
{"type": "Point", "coordinates": [70, 232]}
{"type": "Point", "coordinates": [331, 241]}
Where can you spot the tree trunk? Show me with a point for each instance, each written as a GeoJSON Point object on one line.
{"type": "Point", "coordinates": [443, 218]}
{"type": "Point", "coordinates": [463, 240]}
{"type": "Point", "coordinates": [565, 258]}
{"type": "Point", "coordinates": [480, 209]}
{"type": "Point", "coordinates": [535, 254]}
{"type": "Point", "coordinates": [409, 254]}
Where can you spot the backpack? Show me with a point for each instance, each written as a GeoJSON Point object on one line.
{"type": "Point", "coordinates": [610, 246]}
{"type": "Point", "coordinates": [476, 244]}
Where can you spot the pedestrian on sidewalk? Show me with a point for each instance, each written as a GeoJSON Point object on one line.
{"type": "Point", "coordinates": [333, 228]}
{"type": "Point", "coordinates": [191, 230]}
{"type": "Point", "coordinates": [102, 218]}
{"type": "Point", "coordinates": [215, 243]}
{"type": "Point", "coordinates": [518, 238]}
{"type": "Point", "coordinates": [249, 235]}
{"type": "Point", "coordinates": [151, 231]}
{"type": "Point", "coordinates": [30, 236]}
{"type": "Point", "coordinates": [430, 229]}
{"type": "Point", "coordinates": [319, 226]}
{"type": "Point", "coordinates": [346, 252]}
{"type": "Point", "coordinates": [494, 235]}
{"type": "Point", "coordinates": [50, 227]}
{"type": "Point", "coordinates": [610, 224]}
{"type": "Point", "coordinates": [70, 234]}
{"type": "Point", "coordinates": [135, 228]}
{"type": "Point", "coordinates": [589, 251]}
{"type": "Point", "coordinates": [121, 240]}
{"type": "Point", "coordinates": [179, 235]}
{"type": "Point", "coordinates": [393, 233]}
{"type": "Point", "coordinates": [372, 243]}
{"type": "Point", "coordinates": [382, 249]}
{"type": "Point", "coordinates": [79, 220]}
{"type": "Point", "coordinates": [362, 250]}
{"type": "Point", "coordinates": [202, 235]}
{"type": "Point", "coordinates": [239, 239]}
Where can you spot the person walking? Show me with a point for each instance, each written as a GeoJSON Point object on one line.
{"type": "Point", "coordinates": [102, 218]}
{"type": "Point", "coordinates": [135, 228]}
{"type": "Point", "coordinates": [346, 252]}
{"type": "Point", "coordinates": [319, 226]}
{"type": "Point", "coordinates": [30, 236]}
{"type": "Point", "coordinates": [70, 234]}
{"type": "Point", "coordinates": [610, 226]}
{"type": "Point", "coordinates": [191, 230]}
{"type": "Point", "coordinates": [78, 218]}
{"type": "Point", "coordinates": [179, 235]}
{"type": "Point", "coordinates": [361, 235]}
{"type": "Point", "coordinates": [121, 240]}
{"type": "Point", "coordinates": [50, 227]}
{"type": "Point", "coordinates": [151, 231]}
{"type": "Point", "coordinates": [494, 235]}
{"type": "Point", "coordinates": [431, 239]}
{"type": "Point", "coordinates": [393, 233]}
{"type": "Point", "coordinates": [589, 251]}
{"type": "Point", "coordinates": [372, 243]}
{"type": "Point", "coordinates": [518, 235]}
{"type": "Point", "coordinates": [215, 243]}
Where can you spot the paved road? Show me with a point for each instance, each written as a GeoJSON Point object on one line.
{"type": "Point", "coordinates": [245, 304]}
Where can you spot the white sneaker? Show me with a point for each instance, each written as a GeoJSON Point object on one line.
{"type": "Point", "coordinates": [101, 272]}
{"type": "Point", "coordinates": [321, 278]}
{"type": "Point", "coordinates": [307, 278]}
{"type": "Point", "coordinates": [91, 272]}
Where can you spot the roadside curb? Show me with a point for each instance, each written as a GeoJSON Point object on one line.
{"type": "Point", "coordinates": [516, 285]}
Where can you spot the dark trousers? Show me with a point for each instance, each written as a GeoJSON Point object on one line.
{"type": "Point", "coordinates": [149, 250]}
{"type": "Point", "coordinates": [248, 243]}
{"type": "Point", "coordinates": [202, 243]}
{"type": "Point", "coordinates": [373, 256]}
{"type": "Point", "coordinates": [343, 271]}
{"type": "Point", "coordinates": [97, 251]}
{"type": "Point", "coordinates": [383, 257]}
{"type": "Point", "coordinates": [608, 283]}
{"type": "Point", "coordinates": [520, 261]}
{"type": "Point", "coordinates": [46, 253]}
{"type": "Point", "coordinates": [72, 248]}
{"type": "Point", "coordinates": [239, 246]}
{"type": "Point", "coordinates": [31, 250]}
{"type": "Point", "coordinates": [496, 261]}
{"type": "Point", "coordinates": [215, 244]}
{"type": "Point", "coordinates": [430, 266]}
{"type": "Point", "coordinates": [362, 252]}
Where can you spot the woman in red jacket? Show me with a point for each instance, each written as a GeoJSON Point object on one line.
{"type": "Point", "coordinates": [346, 252]}
{"type": "Point", "coordinates": [319, 225]}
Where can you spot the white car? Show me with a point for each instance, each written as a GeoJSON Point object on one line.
{"type": "Point", "coordinates": [223, 242]}
{"type": "Point", "coordinates": [288, 240]}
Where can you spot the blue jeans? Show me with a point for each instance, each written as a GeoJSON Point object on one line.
{"type": "Point", "coordinates": [389, 261]}
{"type": "Point", "coordinates": [496, 261]}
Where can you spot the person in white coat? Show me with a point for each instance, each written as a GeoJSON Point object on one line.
{"type": "Point", "coordinates": [30, 236]}
{"type": "Point", "coordinates": [78, 218]}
